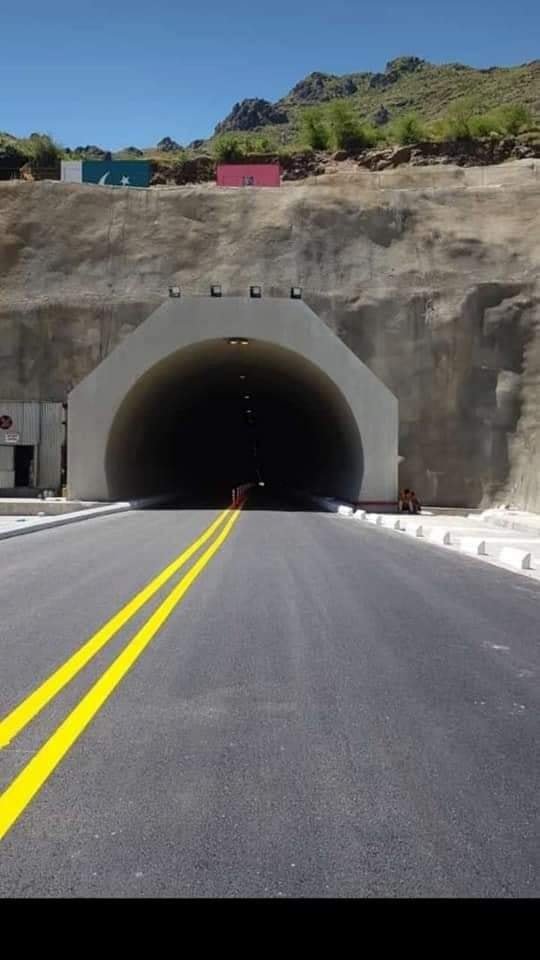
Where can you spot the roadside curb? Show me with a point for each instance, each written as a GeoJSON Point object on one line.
{"type": "Point", "coordinates": [46, 523]}
{"type": "Point", "coordinates": [494, 519]}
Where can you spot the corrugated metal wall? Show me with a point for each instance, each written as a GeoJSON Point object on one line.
{"type": "Point", "coordinates": [39, 425]}
{"type": "Point", "coordinates": [6, 458]}
{"type": "Point", "coordinates": [7, 467]}
{"type": "Point", "coordinates": [26, 421]}
{"type": "Point", "coordinates": [50, 449]}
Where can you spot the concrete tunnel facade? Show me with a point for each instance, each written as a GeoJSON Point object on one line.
{"type": "Point", "coordinates": [211, 392]}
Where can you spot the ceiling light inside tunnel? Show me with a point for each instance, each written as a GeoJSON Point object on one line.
{"type": "Point", "coordinates": [233, 341]}
{"type": "Point", "coordinates": [215, 290]}
{"type": "Point", "coordinates": [255, 292]}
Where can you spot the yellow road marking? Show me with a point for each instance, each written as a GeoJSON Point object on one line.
{"type": "Point", "coordinates": [21, 715]}
{"type": "Point", "coordinates": [20, 792]}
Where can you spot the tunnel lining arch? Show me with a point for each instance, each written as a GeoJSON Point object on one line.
{"type": "Point", "coordinates": [184, 425]}
{"type": "Point", "coordinates": [180, 327]}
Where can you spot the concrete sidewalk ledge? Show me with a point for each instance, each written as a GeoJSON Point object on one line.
{"type": "Point", "coordinates": [36, 507]}
{"type": "Point", "coordinates": [473, 545]}
{"type": "Point", "coordinates": [391, 522]}
{"type": "Point", "coordinates": [440, 535]}
{"type": "Point", "coordinates": [413, 529]}
{"type": "Point", "coordinates": [46, 523]}
{"type": "Point", "coordinates": [511, 520]}
{"type": "Point", "coordinates": [519, 559]}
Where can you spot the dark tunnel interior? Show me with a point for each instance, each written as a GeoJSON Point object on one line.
{"type": "Point", "coordinates": [232, 411]}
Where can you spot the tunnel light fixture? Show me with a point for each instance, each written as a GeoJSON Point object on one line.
{"type": "Point", "coordinates": [242, 376]}
{"type": "Point", "coordinates": [237, 342]}
{"type": "Point", "coordinates": [244, 343]}
{"type": "Point", "coordinates": [255, 292]}
{"type": "Point", "coordinates": [174, 291]}
{"type": "Point", "coordinates": [215, 290]}
{"type": "Point", "coordinates": [296, 293]}
{"type": "Point", "coordinates": [247, 396]}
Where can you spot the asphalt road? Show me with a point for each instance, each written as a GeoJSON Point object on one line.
{"type": "Point", "coordinates": [331, 710]}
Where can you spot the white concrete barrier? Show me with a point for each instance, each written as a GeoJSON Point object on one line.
{"type": "Point", "coordinates": [359, 514]}
{"type": "Point", "coordinates": [520, 559]}
{"type": "Point", "coordinates": [375, 518]}
{"type": "Point", "coordinates": [473, 545]}
{"type": "Point", "coordinates": [393, 523]}
{"type": "Point", "coordinates": [345, 511]}
{"type": "Point", "coordinates": [414, 529]}
{"type": "Point", "coordinates": [440, 535]}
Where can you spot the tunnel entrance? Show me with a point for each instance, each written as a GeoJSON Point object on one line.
{"type": "Point", "coordinates": [209, 393]}
{"type": "Point", "coordinates": [229, 411]}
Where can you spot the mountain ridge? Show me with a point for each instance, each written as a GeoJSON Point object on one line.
{"type": "Point", "coordinates": [408, 83]}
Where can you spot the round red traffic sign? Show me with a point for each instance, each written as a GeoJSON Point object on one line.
{"type": "Point", "coordinates": [5, 422]}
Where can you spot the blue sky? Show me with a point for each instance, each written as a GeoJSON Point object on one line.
{"type": "Point", "coordinates": [121, 74]}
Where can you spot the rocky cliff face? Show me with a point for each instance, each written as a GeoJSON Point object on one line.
{"type": "Point", "coordinates": [251, 114]}
{"type": "Point", "coordinates": [430, 275]}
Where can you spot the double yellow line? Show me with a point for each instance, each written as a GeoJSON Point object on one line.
{"type": "Point", "coordinates": [29, 781]}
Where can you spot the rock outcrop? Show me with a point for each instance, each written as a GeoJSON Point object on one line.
{"type": "Point", "coordinates": [431, 275]}
{"type": "Point", "coordinates": [250, 114]}
{"type": "Point", "coordinates": [464, 153]}
{"type": "Point", "coordinates": [168, 145]}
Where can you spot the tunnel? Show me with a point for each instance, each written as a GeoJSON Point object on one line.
{"type": "Point", "coordinates": [209, 393]}
{"type": "Point", "coordinates": [229, 411]}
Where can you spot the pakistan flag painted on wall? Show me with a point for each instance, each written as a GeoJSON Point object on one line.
{"type": "Point", "coordinates": [116, 173]}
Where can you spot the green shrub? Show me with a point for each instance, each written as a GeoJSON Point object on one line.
{"type": "Point", "coordinates": [229, 147]}
{"type": "Point", "coordinates": [408, 129]}
{"type": "Point", "coordinates": [314, 130]}
{"type": "Point", "coordinates": [259, 144]}
{"type": "Point", "coordinates": [485, 125]}
{"type": "Point", "coordinates": [43, 152]}
{"type": "Point", "coordinates": [512, 118]}
{"type": "Point", "coordinates": [372, 135]}
{"type": "Point", "coordinates": [347, 131]}
{"type": "Point", "coordinates": [457, 123]}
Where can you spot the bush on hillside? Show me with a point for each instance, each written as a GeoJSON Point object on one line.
{"type": "Point", "coordinates": [259, 144]}
{"type": "Point", "coordinates": [314, 130]}
{"type": "Point", "coordinates": [408, 129]}
{"type": "Point", "coordinates": [457, 123]}
{"type": "Point", "coordinates": [229, 147]}
{"type": "Point", "coordinates": [485, 125]}
{"type": "Point", "coordinates": [43, 152]}
{"type": "Point", "coordinates": [347, 131]}
{"type": "Point", "coordinates": [512, 118]}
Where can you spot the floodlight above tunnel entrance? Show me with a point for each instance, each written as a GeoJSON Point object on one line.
{"type": "Point", "coordinates": [296, 293]}
{"type": "Point", "coordinates": [255, 292]}
{"type": "Point", "coordinates": [215, 290]}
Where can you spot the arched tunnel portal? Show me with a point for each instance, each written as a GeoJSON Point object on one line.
{"type": "Point", "coordinates": [209, 393]}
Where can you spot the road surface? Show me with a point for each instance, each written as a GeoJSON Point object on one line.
{"type": "Point", "coordinates": [326, 709]}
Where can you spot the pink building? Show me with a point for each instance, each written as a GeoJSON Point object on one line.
{"type": "Point", "coordinates": [248, 175]}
